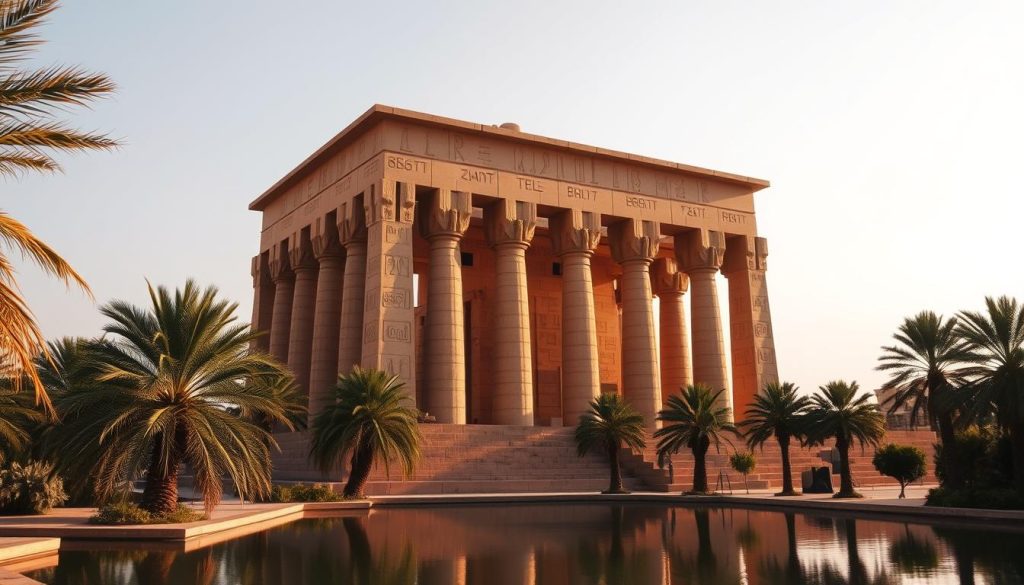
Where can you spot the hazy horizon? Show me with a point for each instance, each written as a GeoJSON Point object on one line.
{"type": "Point", "coordinates": [889, 132]}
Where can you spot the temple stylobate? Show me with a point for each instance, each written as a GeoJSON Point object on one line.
{"type": "Point", "coordinates": [509, 278]}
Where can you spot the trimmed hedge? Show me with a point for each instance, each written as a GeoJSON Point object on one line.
{"type": "Point", "coordinates": [988, 498]}
{"type": "Point", "coordinates": [301, 492]}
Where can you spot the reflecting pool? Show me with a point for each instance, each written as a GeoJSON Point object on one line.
{"type": "Point", "coordinates": [555, 544]}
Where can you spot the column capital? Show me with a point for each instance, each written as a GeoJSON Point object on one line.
{"type": "Point", "coordinates": [700, 250]}
{"type": "Point", "coordinates": [574, 230]}
{"type": "Point", "coordinates": [351, 222]}
{"type": "Point", "coordinates": [445, 214]}
{"type": "Point", "coordinates": [301, 256]}
{"type": "Point", "coordinates": [280, 264]}
{"type": "Point", "coordinates": [325, 241]}
{"type": "Point", "coordinates": [510, 222]}
{"type": "Point", "coordinates": [634, 239]}
{"type": "Point", "coordinates": [666, 278]}
{"type": "Point", "coordinates": [389, 201]}
{"type": "Point", "coordinates": [746, 253]}
{"type": "Point", "coordinates": [260, 270]}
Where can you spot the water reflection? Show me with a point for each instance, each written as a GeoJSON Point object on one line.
{"type": "Point", "coordinates": [573, 544]}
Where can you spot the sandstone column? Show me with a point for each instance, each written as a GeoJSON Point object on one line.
{"type": "Point", "coordinates": [442, 222]}
{"type": "Point", "coordinates": [575, 235]}
{"type": "Point", "coordinates": [389, 313]}
{"type": "Point", "coordinates": [750, 319]}
{"type": "Point", "coordinates": [670, 285]}
{"type": "Point", "coordinates": [300, 339]}
{"type": "Point", "coordinates": [262, 301]}
{"type": "Point", "coordinates": [510, 226]}
{"type": "Point", "coordinates": [352, 234]}
{"type": "Point", "coordinates": [323, 374]}
{"type": "Point", "coordinates": [700, 253]}
{"type": "Point", "coordinates": [634, 244]}
{"type": "Point", "coordinates": [284, 289]}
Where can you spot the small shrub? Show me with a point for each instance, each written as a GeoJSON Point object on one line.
{"type": "Point", "coordinates": [125, 513]}
{"type": "Point", "coordinates": [904, 463]}
{"type": "Point", "coordinates": [743, 463]}
{"type": "Point", "coordinates": [121, 513]}
{"type": "Point", "coordinates": [301, 492]}
{"type": "Point", "coordinates": [30, 489]}
{"type": "Point", "coordinates": [988, 498]}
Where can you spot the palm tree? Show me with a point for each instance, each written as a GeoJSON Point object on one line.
{"type": "Point", "coordinates": [175, 384]}
{"type": "Point", "coordinates": [998, 339]}
{"type": "Point", "coordinates": [927, 365]}
{"type": "Point", "coordinates": [694, 419]}
{"type": "Point", "coordinates": [838, 413]}
{"type": "Point", "coordinates": [28, 101]}
{"type": "Point", "coordinates": [610, 424]}
{"type": "Point", "coordinates": [17, 415]}
{"type": "Point", "coordinates": [369, 417]}
{"type": "Point", "coordinates": [777, 411]}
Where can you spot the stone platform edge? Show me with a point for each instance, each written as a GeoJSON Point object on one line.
{"type": "Point", "coordinates": [177, 533]}
{"type": "Point", "coordinates": [859, 507]}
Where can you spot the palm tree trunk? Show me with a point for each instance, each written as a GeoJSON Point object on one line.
{"type": "Point", "coordinates": [947, 434]}
{"type": "Point", "coordinates": [787, 471]}
{"type": "Point", "coordinates": [700, 468]}
{"type": "Point", "coordinates": [615, 485]}
{"type": "Point", "coordinates": [362, 464]}
{"type": "Point", "coordinates": [845, 477]}
{"type": "Point", "coordinates": [160, 496]}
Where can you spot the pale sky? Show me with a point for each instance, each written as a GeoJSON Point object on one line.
{"type": "Point", "coordinates": [891, 133]}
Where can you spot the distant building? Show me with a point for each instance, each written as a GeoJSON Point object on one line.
{"type": "Point", "coordinates": [900, 418]}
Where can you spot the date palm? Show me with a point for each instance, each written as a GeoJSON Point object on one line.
{"type": "Point", "coordinates": [837, 412]}
{"type": "Point", "coordinates": [29, 135]}
{"type": "Point", "coordinates": [696, 420]}
{"type": "Point", "coordinates": [997, 336]}
{"type": "Point", "coordinates": [777, 411]}
{"type": "Point", "coordinates": [927, 365]}
{"type": "Point", "coordinates": [610, 424]}
{"type": "Point", "coordinates": [371, 419]}
{"type": "Point", "coordinates": [17, 417]}
{"type": "Point", "coordinates": [176, 384]}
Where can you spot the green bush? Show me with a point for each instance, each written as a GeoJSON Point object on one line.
{"type": "Point", "coordinates": [904, 463]}
{"type": "Point", "coordinates": [988, 498]}
{"type": "Point", "coordinates": [743, 463]}
{"type": "Point", "coordinates": [301, 492]}
{"type": "Point", "coordinates": [125, 513]}
{"type": "Point", "coordinates": [30, 489]}
{"type": "Point", "coordinates": [982, 455]}
{"type": "Point", "coordinates": [120, 513]}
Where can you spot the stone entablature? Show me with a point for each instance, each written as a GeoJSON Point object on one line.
{"type": "Point", "coordinates": [427, 150]}
{"type": "Point", "coordinates": [512, 340]}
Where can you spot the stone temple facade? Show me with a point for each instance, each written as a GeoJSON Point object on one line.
{"type": "Point", "coordinates": [508, 278]}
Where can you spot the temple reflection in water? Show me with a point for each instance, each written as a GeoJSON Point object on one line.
{"type": "Point", "coordinates": [569, 544]}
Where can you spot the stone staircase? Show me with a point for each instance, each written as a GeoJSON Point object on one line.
{"type": "Point", "coordinates": [768, 472]}
{"type": "Point", "coordinates": [509, 459]}
{"type": "Point", "coordinates": [470, 459]}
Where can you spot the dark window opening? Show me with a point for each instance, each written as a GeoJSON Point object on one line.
{"type": "Point", "coordinates": [467, 258]}
{"type": "Point", "coordinates": [556, 269]}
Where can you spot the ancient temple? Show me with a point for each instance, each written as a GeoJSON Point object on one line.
{"type": "Point", "coordinates": [509, 278]}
